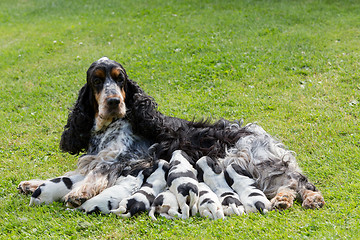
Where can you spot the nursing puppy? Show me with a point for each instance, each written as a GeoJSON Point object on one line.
{"type": "Point", "coordinates": [166, 205]}
{"type": "Point", "coordinates": [251, 197]}
{"type": "Point", "coordinates": [183, 183]}
{"type": "Point", "coordinates": [110, 198]}
{"type": "Point", "coordinates": [209, 204]}
{"type": "Point", "coordinates": [142, 199]}
{"type": "Point", "coordinates": [211, 173]}
{"type": "Point", "coordinates": [54, 189]}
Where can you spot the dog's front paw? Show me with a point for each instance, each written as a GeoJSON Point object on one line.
{"type": "Point", "coordinates": [28, 187]}
{"type": "Point", "coordinates": [313, 200]}
{"type": "Point", "coordinates": [75, 199]}
{"type": "Point", "coordinates": [282, 201]}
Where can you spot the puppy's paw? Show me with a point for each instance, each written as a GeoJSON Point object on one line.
{"type": "Point", "coordinates": [28, 187]}
{"type": "Point", "coordinates": [121, 212]}
{"type": "Point", "coordinates": [212, 213]}
{"type": "Point", "coordinates": [313, 200]}
{"type": "Point", "coordinates": [233, 209]}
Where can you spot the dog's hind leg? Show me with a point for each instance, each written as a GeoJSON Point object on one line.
{"type": "Point", "coordinates": [92, 185]}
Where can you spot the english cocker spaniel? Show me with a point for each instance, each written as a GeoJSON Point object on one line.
{"type": "Point", "coordinates": [119, 127]}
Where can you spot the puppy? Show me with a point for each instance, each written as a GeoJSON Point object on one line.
{"type": "Point", "coordinates": [183, 183]}
{"type": "Point", "coordinates": [54, 189]}
{"type": "Point", "coordinates": [111, 197]}
{"type": "Point", "coordinates": [209, 204]}
{"type": "Point", "coordinates": [211, 173]}
{"type": "Point", "coordinates": [242, 182]}
{"type": "Point", "coordinates": [142, 199]}
{"type": "Point", "coordinates": [166, 205]}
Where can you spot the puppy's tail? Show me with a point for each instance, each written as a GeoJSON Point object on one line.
{"type": "Point", "coordinates": [194, 198]}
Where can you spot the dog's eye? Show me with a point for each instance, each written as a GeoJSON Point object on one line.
{"type": "Point", "coordinates": [120, 78]}
{"type": "Point", "coordinates": [97, 81]}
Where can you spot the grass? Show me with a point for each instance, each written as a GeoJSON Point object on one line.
{"type": "Point", "coordinates": [291, 66]}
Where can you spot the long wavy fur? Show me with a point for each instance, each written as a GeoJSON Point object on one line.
{"type": "Point", "coordinates": [77, 131]}
{"type": "Point", "coordinates": [197, 139]}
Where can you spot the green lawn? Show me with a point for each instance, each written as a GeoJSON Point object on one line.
{"type": "Point", "coordinates": [291, 66]}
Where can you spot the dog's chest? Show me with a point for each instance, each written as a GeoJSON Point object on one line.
{"type": "Point", "coordinates": [118, 136]}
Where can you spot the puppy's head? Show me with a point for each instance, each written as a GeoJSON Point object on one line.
{"type": "Point", "coordinates": [107, 80]}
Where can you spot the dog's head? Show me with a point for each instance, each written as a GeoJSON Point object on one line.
{"type": "Point", "coordinates": [104, 98]}
{"type": "Point", "coordinates": [107, 80]}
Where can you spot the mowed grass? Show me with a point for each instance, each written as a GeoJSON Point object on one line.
{"type": "Point", "coordinates": [291, 66]}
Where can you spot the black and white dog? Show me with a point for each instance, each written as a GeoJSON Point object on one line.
{"type": "Point", "coordinates": [121, 130]}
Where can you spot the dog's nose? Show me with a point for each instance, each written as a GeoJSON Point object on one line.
{"type": "Point", "coordinates": [113, 102]}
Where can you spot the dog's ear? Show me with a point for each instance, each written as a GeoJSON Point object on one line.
{"type": "Point", "coordinates": [131, 89]}
{"type": "Point", "coordinates": [77, 131]}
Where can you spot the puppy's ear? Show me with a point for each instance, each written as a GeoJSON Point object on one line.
{"type": "Point", "coordinates": [200, 173]}
{"type": "Point", "coordinates": [214, 165]}
{"type": "Point", "coordinates": [77, 131]}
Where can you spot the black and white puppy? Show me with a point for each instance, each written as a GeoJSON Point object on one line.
{"type": "Point", "coordinates": [209, 205]}
{"type": "Point", "coordinates": [212, 174]}
{"type": "Point", "coordinates": [142, 199]}
{"type": "Point", "coordinates": [110, 198]}
{"type": "Point", "coordinates": [54, 189]}
{"type": "Point", "coordinates": [166, 205]}
{"type": "Point", "coordinates": [242, 182]}
{"type": "Point", "coordinates": [183, 183]}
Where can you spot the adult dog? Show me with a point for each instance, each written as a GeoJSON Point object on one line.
{"type": "Point", "coordinates": [120, 128]}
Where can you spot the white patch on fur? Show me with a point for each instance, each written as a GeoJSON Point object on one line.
{"type": "Point", "coordinates": [103, 59]}
{"type": "Point", "coordinates": [104, 117]}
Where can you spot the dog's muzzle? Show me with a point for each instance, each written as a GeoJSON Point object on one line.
{"type": "Point", "coordinates": [113, 102]}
